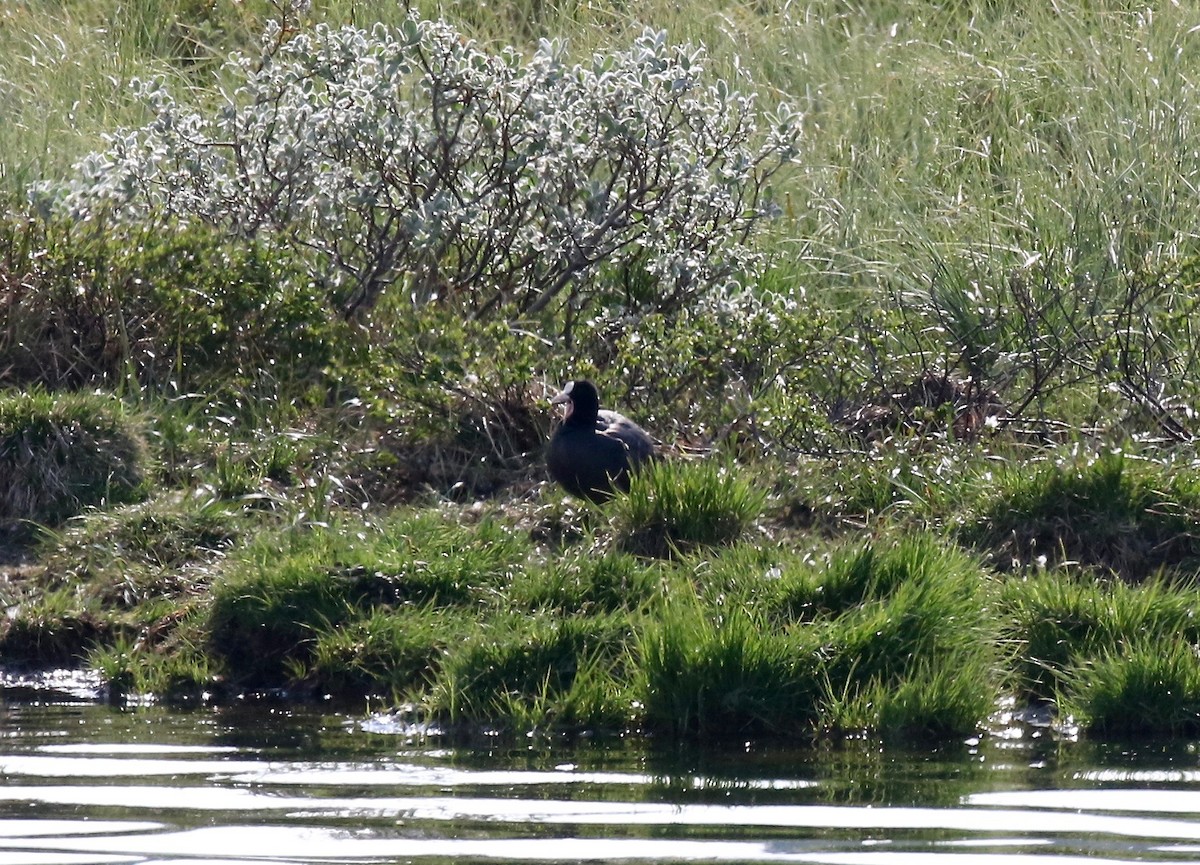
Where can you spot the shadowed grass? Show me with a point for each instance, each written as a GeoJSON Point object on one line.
{"type": "Point", "coordinates": [62, 453]}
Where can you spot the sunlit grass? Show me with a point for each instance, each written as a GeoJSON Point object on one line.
{"type": "Point", "coordinates": [285, 588]}
{"type": "Point", "coordinates": [673, 507]}
{"type": "Point", "coordinates": [1146, 686]}
{"type": "Point", "coordinates": [714, 673]}
{"type": "Point", "coordinates": [1061, 625]}
{"type": "Point", "coordinates": [1117, 513]}
{"type": "Point", "coordinates": [62, 454]}
{"type": "Point", "coordinates": [522, 672]}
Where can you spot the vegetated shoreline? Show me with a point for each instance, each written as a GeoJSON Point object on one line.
{"type": "Point", "coordinates": [901, 591]}
{"type": "Point", "coordinates": [921, 338]}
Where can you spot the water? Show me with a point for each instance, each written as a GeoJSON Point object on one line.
{"type": "Point", "coordinates": [86, 783]}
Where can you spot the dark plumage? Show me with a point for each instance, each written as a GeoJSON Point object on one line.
{"type": "Point", "coordinates": [593, 451]}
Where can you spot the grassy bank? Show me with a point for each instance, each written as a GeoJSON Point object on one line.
{"type": "Point", "coordinates": [713, 601]}
{"type": "Point", "coordinates": [920, 345]}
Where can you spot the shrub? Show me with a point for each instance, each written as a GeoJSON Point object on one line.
{"type": "Point", "coordinates": [481, 180]}
{"type": "Point", "coordinates": [160, 306]}
{"type": "Point", "coordinates": [62, 453]}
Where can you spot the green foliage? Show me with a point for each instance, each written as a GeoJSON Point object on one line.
{"type": "Point", "coordinates": [388, 651]}
{"type": "Point", "coordinates": [1124, 515]}
{"type": "Point", "coordinates": [62, 453]}
{"type": "Point", "coordinates": [674, 506]}
{"type": "Point", "coordinates": [287, 589]}
{"type": "Point", "coordinates": [1061, 625]}
{"type": "Point", "coordinates": [537, 670]}
{"type": "Point", "coordinates": [1146, 686]}
{"type": "Point", "coordinates": [165, 308]}
{"type": "Point", "coordinates": [713, 674]}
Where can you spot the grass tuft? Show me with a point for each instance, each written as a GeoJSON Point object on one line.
{"type": "Point", "coordinates": [675, 506]}
{"type": "Point", "coordinates": [1061, 625]}
{"type": "Point", "coordinates": [709, 674]}
{"type": "Point", "coordinates": [1149, 686]}
{"type": "Point", "coordinates": [63, 453]}
{"type": "Point", "coordinates": [536, 672]}
{"type": "Point", "coordinates": [1126, 516]}
{"type": "Point", "coordinates": [388, 652]}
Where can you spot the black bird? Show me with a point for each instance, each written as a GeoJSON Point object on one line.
{"type": "Point", "coordinates": [594, 450]}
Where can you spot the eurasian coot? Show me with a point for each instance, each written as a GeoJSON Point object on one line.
{"type": "Point", "coordinates": [594, 450]}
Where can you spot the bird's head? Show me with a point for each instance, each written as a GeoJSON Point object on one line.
{"type": "Point", "coordinates": [580, 401]}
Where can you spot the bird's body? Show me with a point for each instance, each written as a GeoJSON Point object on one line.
{"type": "Point", "coordinates": [593, 452]}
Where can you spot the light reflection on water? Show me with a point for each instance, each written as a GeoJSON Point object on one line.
{"type": "Point", "coordinates": [91, 784]}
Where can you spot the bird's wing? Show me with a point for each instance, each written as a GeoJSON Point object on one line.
{"type": "Point", "coordinates": [636, 440]}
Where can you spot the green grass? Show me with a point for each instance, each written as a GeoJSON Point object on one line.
{"type": "Point", "coordinates": [388, 652]}
{"type": "Point", "coordinates": [954, 212]}
{"type": "Point", "coordinates": [62, 454]}
{"type": "Point", "coordinates": [1146, 686]}
{"type": "Point", "coordinates": [1128, 516]}
{"type": "Point", "coordinates": [673, 507]}
{"type": "Point", "coordinates": [536, 671]}
{"type": "Point", "coordinates": [714, 673]}
{"type": "Point", "coordinates": [286, 588]}
{"type": "Point", "coordinates": [51, 628]}
{"type": "Point", "coordinates": [1061, 624]}
{"type": "Point", "coordinates": [158, 549]}
{"type": "Point", "coordinates": [587, 580]}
